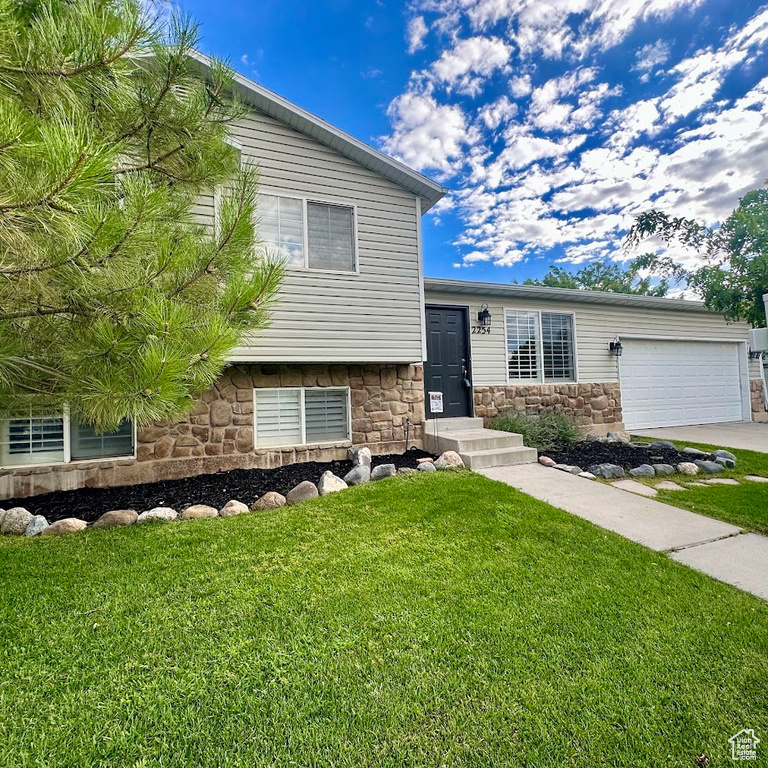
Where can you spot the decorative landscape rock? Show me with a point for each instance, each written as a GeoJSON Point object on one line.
{"type": "Point", "coordinates": [2, 516]}
{"type": "Point", "coordinates": [67, 525]}
{"type": "Point", "coordinates": [302, 492]}
{"type": "Point", "coordinates": [233, 508]}
{"type": "Point", "coordinates": [449, 460]}
{"type": "Point", "coordinates": [329, 483]}
{"type": "Point", "coordinates": [382, 471]}
{"type": "Point", "coordinates": [116, 518]}
{"type": "Point", "coordinates": [545, 461]}
{"type": "Point", "coordinates": [15, 521]}
{"type": "Point", "coordinates": [687, 468]}
{"type": "Point", "coordinates": [618, 437]}
{"type": "Point", "coordinates": [36, 526]}
{"type": "Point", "coordinates": [406, 471]}
{"type": "Point", "coordinates": [425, 460]}
{"type": "Point", "coordinates": [606, 471]}
{"type": "Point", "coordinates": [726, 462]}
{"type": "Point", "coordinates": [694, 452]}
{"type": "Point", "coordinates": [359, 456]}
{"type": "Point", "coordinates": [664, 469]}
{"type": "Point", "coordinates": [587, 475]}
{"type": "Point", "coordinates": [157, 515]}
{"type": "Point", "coordinates": [361, 474]}
{"type": "Point", "coordinates": [709, 467]}
{"type": "Point", "coordinates": [661, 445]}
{"type": "Point", "coordinates": [426, 467]}
{"type": "Point", "coordinates": [198, 512]}
{"type": "Point", "coordinates": [270, 500]}
{"type": "Point", "coordinates": [721, 453]}
{"type": "Point", "coordinates": [571, 470]}
{"type": "Point", "coordinates": [644, 470]}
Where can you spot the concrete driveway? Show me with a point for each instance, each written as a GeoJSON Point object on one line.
{"type": "Point", "coordinates": [749, 435]}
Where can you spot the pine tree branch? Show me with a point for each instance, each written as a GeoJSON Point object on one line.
{"type": "Point", "coordinates": [49, 199]}
{"type": "Point", "coordinates": [151, 165]}
{"type": "Point", "coordinates": [83, 68]}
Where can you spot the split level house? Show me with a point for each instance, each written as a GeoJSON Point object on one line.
{"type": "Point", "coordinates": [359, 337]}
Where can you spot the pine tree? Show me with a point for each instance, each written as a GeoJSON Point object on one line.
{"type": "Point", "coordinates": [114, 302]}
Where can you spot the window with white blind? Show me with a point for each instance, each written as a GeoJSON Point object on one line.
{"type": "Point", "coordinates": [308, 233]}
{"type": "Point", "coordinates": [540, 346]}
{"type": "Point", "coordinates": [58, 440]}
{"type": "Point", "coordinates": [300, 416]}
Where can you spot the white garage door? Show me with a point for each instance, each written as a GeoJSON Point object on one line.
{"type": "Point", "coordinates": [672, 383]}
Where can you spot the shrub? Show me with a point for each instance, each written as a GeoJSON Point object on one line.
{"type": "Point", "coordinates": [543, 431]}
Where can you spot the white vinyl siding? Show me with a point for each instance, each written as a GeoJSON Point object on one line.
{"type": "Point", "coordinates": [540, 347]}
{"type": "Point", "coordinates": [371, 315]}
{"type": "Point", "coordinates": [595, 326]}
{"type": "Point", "coordinates": [292, 416]}
{"type": "Point", "coordinates": [59, 440]}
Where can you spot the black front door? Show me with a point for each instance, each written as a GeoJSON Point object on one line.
{"type": "Point", "coordinates": [447, 367]}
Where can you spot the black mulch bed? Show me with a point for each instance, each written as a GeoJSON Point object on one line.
{"type": "Point", "coordinates": [585, 453]}
{"type": "Point", "coordinates": [216, 490]}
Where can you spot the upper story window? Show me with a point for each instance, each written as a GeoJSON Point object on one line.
{"type": "Point", "coordinates": [540, 346]}
{"type": "Point", "coordinates": [308, 233]}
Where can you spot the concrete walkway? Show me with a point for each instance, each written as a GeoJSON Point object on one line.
{"type": "Point", "coordinates": [749, 435]}
{"type": "Point", "coordinates": [718, 549]}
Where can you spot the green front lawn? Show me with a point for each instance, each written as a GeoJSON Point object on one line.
{"type": "Point", "coordinates": [745, 505]}
{"type": "Point", "coordinates": [434, 620]}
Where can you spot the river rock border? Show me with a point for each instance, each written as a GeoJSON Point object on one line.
{"type": "Point", "coordinates": [20, 522]}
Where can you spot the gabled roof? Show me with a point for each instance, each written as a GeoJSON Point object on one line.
{"type": "Point", "coordinates": [544, 293]}
{"type": "Point", "coordinates": [305, 122]}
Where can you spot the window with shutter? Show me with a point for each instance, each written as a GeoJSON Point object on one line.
{"type": "Point", "coordinates": [85, 443]}
{"type": "Point", "coordinates": [331, 236]}
{"type": "Point", "coordinates": [325, 415]}
{"type": "Point", "coordinates": [540, 346]}
{"type": "Point", "coordinates": [33, 440]}
{"type": "Point", "coordinates": [278, 417]}
{"type": "Point", "coordinates": [281, 227]}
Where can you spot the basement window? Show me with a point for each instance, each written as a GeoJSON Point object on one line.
{"type": "Point", "coordinates": [56, 439]}
{"type": "Point", "coordinates": [292, 416]}
{"type": "Point", "coordinates": [541, 346]}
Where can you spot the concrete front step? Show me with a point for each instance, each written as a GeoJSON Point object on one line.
{"type": "Point", "coordinates": [464, 441]}
{"type": "Point", "coordinates": [500, 457]}
{"type": "Point", "coordinates": [441, 426]}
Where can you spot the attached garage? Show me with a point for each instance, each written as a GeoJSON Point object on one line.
{"type": "Point", "coordinates": [668, 383]}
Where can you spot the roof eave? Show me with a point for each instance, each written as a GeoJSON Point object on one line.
{"type": "Point", "coordinates": [311, 125]}
{"type": "Point", "coordinates": [515, 291]}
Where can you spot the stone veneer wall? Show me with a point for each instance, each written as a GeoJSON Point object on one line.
{"type": "Point", "coordinates": [757, 400]}
{"type": "Point", "coordinates": [218, 433]}
{"type": "Point", "coordinates": [599, 404]}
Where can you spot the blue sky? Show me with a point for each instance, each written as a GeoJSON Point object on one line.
{"type": "Point", "coordinates": [553, 122]}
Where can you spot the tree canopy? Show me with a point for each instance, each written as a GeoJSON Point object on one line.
{"type": "Point", "coordinates": [603, 276]}
{"type": "Point", "coordinates": [733, 274]}
{"type": "Point", "coordinates": [114, 301]}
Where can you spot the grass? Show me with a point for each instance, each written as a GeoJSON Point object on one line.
{"type": "Point", "coordinates": [434, 620]}
{"type": "Point", "coordinates": [745, 505]}
{"type": "Point", "coordinates": [544, 431]}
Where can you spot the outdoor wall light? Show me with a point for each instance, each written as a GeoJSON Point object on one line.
{"type": "Point", "coordinates": [484, 316]}
{"type": "Point", "coordinates": [615, 347]}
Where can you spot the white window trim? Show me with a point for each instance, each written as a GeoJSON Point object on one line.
{"type": "Point", "coordinates": [302, 411]}
{"type": "Point", "coordinates": [540, 354]}
{"type": "Point", "coordinates": [305, 199]}
{"type": "Point", "coordinates": [67, 447]}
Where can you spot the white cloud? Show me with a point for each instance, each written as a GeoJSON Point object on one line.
{"type": "Point", "coordinates": [470, 62]}
{"type": "Point", "coordinates": [417, 31]}
{"type": "Point", "coordinates": [427, 135]}
{"type": "Point", "coordinates": [576, 149]}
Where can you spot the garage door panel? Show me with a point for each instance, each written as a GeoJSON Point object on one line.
{"type": "Point", "coordinates": [673, 383]}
